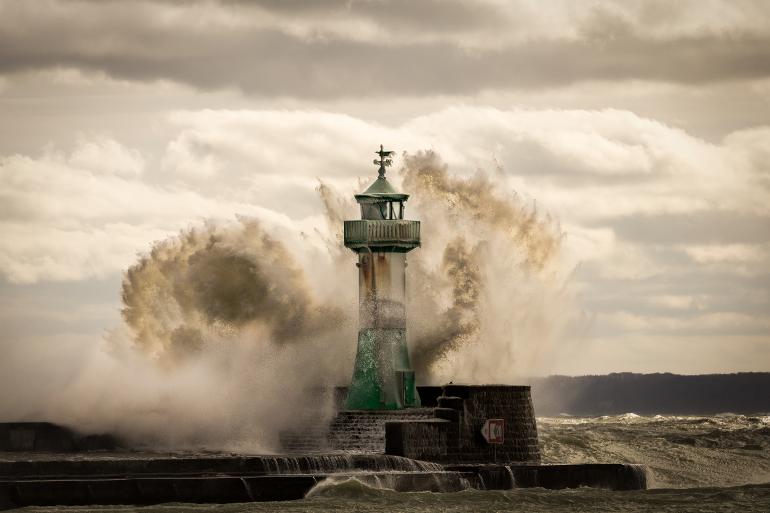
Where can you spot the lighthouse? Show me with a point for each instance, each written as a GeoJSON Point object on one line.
{"type": "Point", "coordinates": [383, 378]}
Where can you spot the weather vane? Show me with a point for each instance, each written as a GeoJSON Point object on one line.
{"type": "Point", "coordinates": [384, 160]}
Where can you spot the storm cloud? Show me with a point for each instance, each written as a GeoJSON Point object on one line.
{"type": "Point", "coordinates": [372, 48]}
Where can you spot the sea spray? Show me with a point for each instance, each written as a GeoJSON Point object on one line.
{"type": "Point", "coordinates": [491, 282]}
{"type": "Point", "coordinates": [233, 329]}
{"type": "Point", "coordinates": [212, 281]}
{"type": "Point", "coordinates": [489, 295]}
{"type": "Point", "coordinates": [459, 323]}
{"type": "Point", "coordinates": [485, 204]}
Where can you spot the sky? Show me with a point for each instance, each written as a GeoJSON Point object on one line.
{"type": "Point", "coordinates": [643, 127]}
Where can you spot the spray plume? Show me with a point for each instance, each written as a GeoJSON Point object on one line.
{"type": "Point", "coordinates": [487, 286]}
{"type": "Point", "coordinates": [227, 344]}
{"type": "Point", "coordinates": [488, 291]}
{"type": "Point", "coordinates": [212, 281]}
{"type": "Point", "coordinates": [241, 328]}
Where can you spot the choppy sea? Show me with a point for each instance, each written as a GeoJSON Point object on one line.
{"type": "Point", "coordinates": [716, 463]}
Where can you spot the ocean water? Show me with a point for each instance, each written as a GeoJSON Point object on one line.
{"type": "Point", "coordinates": [679, 451]}
{"type": "Point", "coordinates": [719, 463]}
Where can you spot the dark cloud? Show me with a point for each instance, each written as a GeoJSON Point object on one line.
{"type": "Point", "coordinates": [439, 15]}
{"type": "Point", "coordinates": [135, 43]}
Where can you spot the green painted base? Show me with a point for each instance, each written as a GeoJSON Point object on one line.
{"type": "Point", "coordinates": [382, 377]}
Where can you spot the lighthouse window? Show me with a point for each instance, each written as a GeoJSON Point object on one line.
{"type": "Point", "coordinates": [382, 210]}
{"type": "Point", "coordinates": [374, 211]}
{"type": "Point", "coordinates": [396, 210]}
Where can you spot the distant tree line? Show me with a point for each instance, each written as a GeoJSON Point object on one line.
{"type": "Point", "coordinates": [651, 394]}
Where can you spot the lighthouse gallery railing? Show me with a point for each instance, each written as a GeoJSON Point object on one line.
{"type": "Point", "coordinates": [382, 233]}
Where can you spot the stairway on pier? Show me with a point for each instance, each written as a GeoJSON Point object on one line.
{"type": "Point", "coordinates": [363, 431]}
{"type": "Point", "coordinates": [352, 431]}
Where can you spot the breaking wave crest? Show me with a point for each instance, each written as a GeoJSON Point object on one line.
{"type": "Point", "coordinates": [347, 487]}
{"type": "Point", "coordinates": [210, 282]}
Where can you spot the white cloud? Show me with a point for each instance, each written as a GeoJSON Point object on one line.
{"type": "Point", "coordinates": [614, 178]}
{"type": "Point", "coordinates": [678, 302]}
{"type": "Point", "coordinates": [103, 155]}
{"type": "Point", "coordinates": [708, 323]}
{"type": "Point", "coordinates": [221, 163]}
{"type": "Point", "coordinates": [87, 214]}
{"type": "Point", "coordinates": [729, 253]}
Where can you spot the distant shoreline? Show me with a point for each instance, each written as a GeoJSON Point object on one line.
{"type": "Point", "coordinates": [652, 394]}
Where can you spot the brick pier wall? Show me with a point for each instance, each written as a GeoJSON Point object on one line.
{"type": "Point", "coordinates": [455, 434]}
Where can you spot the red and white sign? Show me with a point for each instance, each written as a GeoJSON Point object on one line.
{"type": "Point", "coordinates": [493, 431]}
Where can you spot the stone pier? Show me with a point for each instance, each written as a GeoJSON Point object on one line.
{"type": "Point", "coordinates": [455, 432]}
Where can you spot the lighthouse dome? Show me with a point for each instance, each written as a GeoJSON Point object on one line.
{"type": "Point", "coordinates": [381, 200]}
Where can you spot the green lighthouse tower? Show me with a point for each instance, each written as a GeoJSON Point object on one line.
{"type": "Point", "coordinates": [383, 377]}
